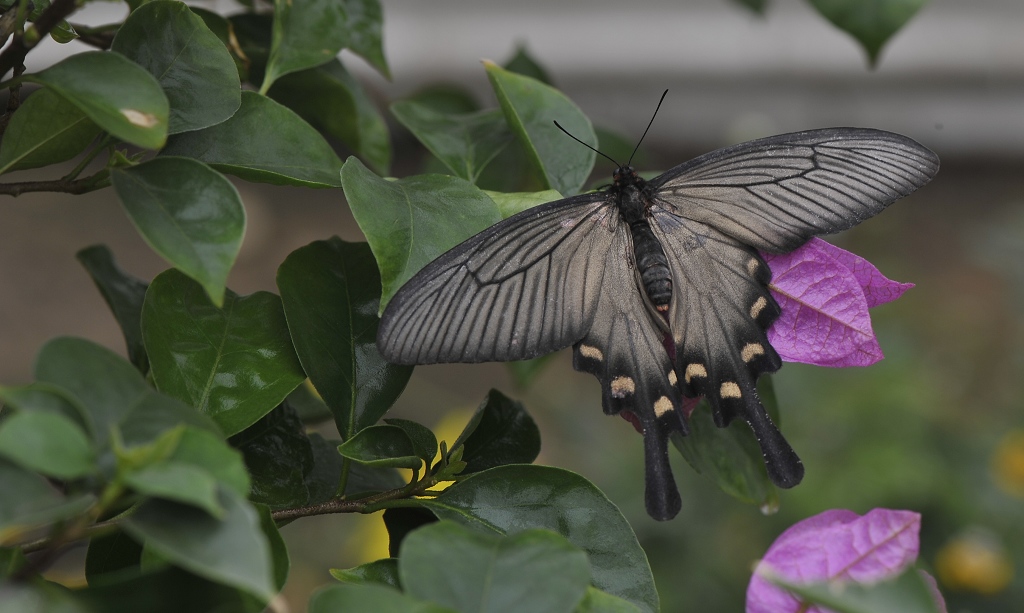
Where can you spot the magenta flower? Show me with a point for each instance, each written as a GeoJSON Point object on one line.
{"type": "Point", "coordinates": [836, 545]}
{"type": "Point", "coordinates": [825, 293]}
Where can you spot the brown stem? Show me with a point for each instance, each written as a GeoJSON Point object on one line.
{"type": "Point", "coordinates": [15, 53]}
{"type": "Point", "coordinates": [81, 186]}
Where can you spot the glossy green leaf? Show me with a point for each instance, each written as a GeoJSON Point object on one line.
{"type": "Point", "coordinates": [116, 93]}
{"type": "Point", "coordinates": [334, 102]}
{"type": "Point", "coordinates": [306, 34]}
{"type": "Point", "coordinates": [516, 202]}
{"type": "Point", "coordinates": [46, 129]}
{"type": "Point", "coordinates": [231, 550]}
{"type": "Point", "coordinates": [365, 20]}
{"type": "Point", "coordinates": [278, 548]}
{"type": "Point", "coordinates": [188, 213]}
{"type": "Point", "coordinates": [331, 291]}
{"type": "Point", "coordinates": [323, 480]}
{"type": "Point", "coordinates": [62, 33]}
{"type": "Point", "coordinates": [106, 385]}
{"type": "Point", "coordinates": [48, 443]}
{"type": "Point", "coordinates": [384, 572]}
{"type": "Point", "coordinates": [369, 598]}
{"type": "Point", "coordinates": [423, 440]}
{"type": "Point", "coordinates": [307, 403]}
{"type": "Point", "coordinates": [167, 590]}
{"type": "Point", "coordinates": [446, 98]}
{"type": "Point", "coordinates": [234, 364]}
{"type": "Point", "coordinates": [530, 108]}
{"type": "Point", "coordinates": [400, 521]}
{"type": "Point", "coordinates": [192, 65]}
{"type": "Point", "coordinates": [501, 432]}
{"type": "Point", "coordinates": [209, 452]}
{"type": "Point", "coordinates": [264, 142]}
{"type": "Point", "coordinates": [123, 293]}
{"type": "Point", "coordinates": [411, 221]}
{"type": "Point", "coordinates": [597, 601]}
{"type": "Point", "coordinates": [871, 22]}
{"type": "Point", "coordinates": [382, 446]}
{"type": "Point", "coordinates": [533, 570]}
{"type": "Point", "coordinates": [155, 413]}
{"type": "Point", "coordinates": [465, 143]}
{"type": "Point", "coordinates": [47, 398]}
{"type": "Point", "coordinates": [365, 480]}
{"type": "Point", "coordinates": [524, 64]}
{"type": "Point", "coordinates": [30, 501]}
{"type": "Point", "coordinates": [180, 482]}
{"type": "Point", "coordinates": [908, 593]}
{"type": "Point", "coordinates": [279, 458]}
{"type": "Point", "coordinates": [510, 499]}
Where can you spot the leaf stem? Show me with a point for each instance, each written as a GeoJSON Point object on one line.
{"type": "Point", "coordinates": [82, 186]}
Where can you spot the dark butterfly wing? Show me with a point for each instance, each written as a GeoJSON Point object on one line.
{"type": "Point", "coordinates": [626, 351]}
{"type": "Point", "coordinates": [775, 193]}
{"type": "Point", "coordinates": [524, 287]}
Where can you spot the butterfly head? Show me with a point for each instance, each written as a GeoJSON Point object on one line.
{"type": "Point", "coordinates": [626, 175]}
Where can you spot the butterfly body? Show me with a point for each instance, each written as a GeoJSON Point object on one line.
{"type": "Point", "coordinates": [657, 285]}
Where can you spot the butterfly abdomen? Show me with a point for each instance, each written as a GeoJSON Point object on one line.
{"type": "Point", "coordinates": [634, 206]}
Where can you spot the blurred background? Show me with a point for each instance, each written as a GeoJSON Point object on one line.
{"type": "Point", "coordinates": [937, 427]}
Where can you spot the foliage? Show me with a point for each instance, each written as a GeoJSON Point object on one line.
{"type": "Point", "coordinates": [179, 466]}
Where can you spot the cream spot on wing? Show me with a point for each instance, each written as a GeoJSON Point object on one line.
{"type": "Point", "coordinates": [752, 266]}
{"type": "Point", "coordinates": [730, 390]}
{"type": "Point", "coordinates": [622, 387]}
{"type": "Point", "coordinates": [138, 118]}
{"type": "Point", "coordinates": [662, 405]}
{"type": "Point", "coordinates": [751, 351]}
{"type": "Point", "coordinates": [672, 379]}
{"type": "Point", "coordinates": [694, 370]}
{"type": "Point", "coordinates": [591, 352]}
{"type": "Point", "coordinates": [757, 307]}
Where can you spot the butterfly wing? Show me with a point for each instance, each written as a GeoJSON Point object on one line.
{"type": "Point", "coordinates": [625, 350]}
{"type": "Point", "coordinates": [526, 286]}
{"type": "Point", "coordinates": [775, 193]}
{"type": "Point", "coordinates": [712, 214]}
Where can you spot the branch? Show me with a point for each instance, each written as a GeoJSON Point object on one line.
{"type": "Point", "coordinates": [15, 53]}
{"type": "Point", "coordinates": [370, 504]}
{"type": "Point", "coordinates": [81, 186]}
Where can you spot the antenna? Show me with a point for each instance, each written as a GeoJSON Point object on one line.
{"type": "Point", "coordinates": [617, 165]}
{"type": "Point", "coordinates": [648, 127]}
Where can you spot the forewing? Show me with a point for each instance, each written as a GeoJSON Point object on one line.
{"type": "Point", "coordinates": [776, 193]}
{"type": "Point", "coordinates": [719, 313]}
{"type": "Point", "coordinates": [625, 350]}
{"type": "Point", "coordinates": [524, 287]}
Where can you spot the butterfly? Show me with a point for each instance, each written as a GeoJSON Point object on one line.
{"type": "Point", "coordinates": [658, 285]}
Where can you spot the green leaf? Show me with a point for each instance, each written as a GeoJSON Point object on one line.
{"type": "Point", "coordinates": [410, 222]}
{"type": "Point", "coordinates": [907, 593]}
{"type": "Point", "coordinates": [365, 21]}
{"type": "Point", "coordinates": [384, 572]}
{"type": "Point", "coordinates": [48, 443]}
{"type": "Point", "coordinates": [501, 432]}
{"type": "Point", "coordinates": [510, 499]}
{"type": "Point", "coordinates": [530, 108]}
{"type": "Point", "coordinates": [510, 204]}
{"type": "Point", "coordinates": [423, 440]}
{"type": "Point", "coordinates": [116, 93]}
{"type": "Point", "coordinates": [871, 22]}
{"type": "Point", "coordinates": [154, 414]}
{"type": "Point", "coordinates": [597, 601]}
{"type": "Point", "coordinates": [46, 129]}
{"type": "Point", "coordinates": [13, 559]}
{"type": "Point", "coordinates": [400, 521]}
{"type": "Point", "coordinates": [30, 501]}
{"type": "Point", "coordinates": [234, 364]}
{"type": "Point", "coordinates": [192, 65]}
{"type": "Point", "coordinates": [331, 291]}
{"type": "Point", "coordinates": [209, 452]}
{"type": "Point", "coordinates": [179, 482]}
{"type": "Point", "coordinates": [106, 385]}
{"type": "Point", "coordinates": [334, 102]}
{"type": "Point", "coordinates": [167, 590]}
{"type": "Point", "coordinates": [307, 403]}
{"type": "Point", "coordinates": [368, 598]}
{"type": "Point", "coordinates": [446, 99]}
{"type": "Point", "coordinates": [47, 398]}
{"type": "Point", "coordinates": [279, 458]}
{"type": "Point", "coordinates": [366, 480]}
{"type": "Point", "coordinates": [533, 570]}
{"type": "Point", "coordinates": [382, 446]}
{"type": "Point", "coordinates": [278, 548]}
{"type": "Point", "coordinates": [306, 34]}
{"type": "Point", "coordinates": [465, 143]}
{"type": "Point", "coordinates": [188, 213]}
{"type": "Point", "coordinates": [265, 142]}
{"type": "Point", "coordinates": [111, 553]}
{"type": "Point", "coordinates": [231, 550]}
{"type": "Point", "coordinates": [524, 64]}
{"type": "Point", "coordinates": [323, 480]}
{"type": "Point", "coordinates": [123, 293]}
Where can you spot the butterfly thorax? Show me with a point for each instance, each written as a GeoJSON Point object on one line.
{"type": "Point", "coordinates": [634, 202]}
